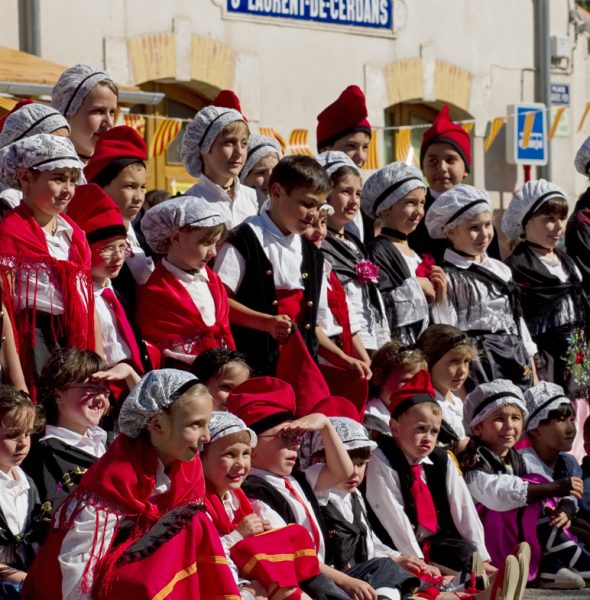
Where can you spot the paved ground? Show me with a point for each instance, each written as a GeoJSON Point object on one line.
{"type": "Point", "coordinates": [561, 594]}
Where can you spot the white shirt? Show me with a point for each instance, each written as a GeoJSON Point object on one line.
{"type": "Point", "coordinates": [497, 491]}
{"type": "Point", "coordinates": [385, 498]}
{"type": "Point", "coordinates": [493, 314]}
{"type": "Point", "coordinates": [377, 410]}
{"type": "Point", "coordinates": [116, 349]}
{"type": "Point", "coordinates": [93, 442]}
{"type": "Point", "coordinates": [140, 265]}
{"type": "Point", "coordinates": [452, 413]}
{"type": "Point", "coordinates": [411, 305]}
{"type": "Point", "coordinates": [342, 501]}
{"type": "Point", "coordinates": [301, 516]}
{"type": "Point", "coordinates": [14, 499]}
{"type": "Point", "coordinates": [325, 319]}
{"type": "Point", "coordinates": [233, 212]}
{"type": "Point", "coordinates": [92, 529]}
{"type": "Point", "coordinates": [11, 196]}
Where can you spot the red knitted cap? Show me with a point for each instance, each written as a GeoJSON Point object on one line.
{"type": "Point", "coordinates": [228, 99]}
{"type": "Point", "coordinates": [445, 131]}
{"type": "Point", "coordinates": [416, 390]}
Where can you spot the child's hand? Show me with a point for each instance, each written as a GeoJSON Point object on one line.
{"type": "Point", "coordinates": [251, 525]}
{"type": "Point", "coordinates": [430, 570]}
{"type": "Point", "coordinates": [413, 564]}
{"type": "Point", "coordinates": [357, 589]}
{"type": "Point", "coordinates": [427, 288]}
{"type": "Point", "coordinates": [571, 486]}
{"type": "Point", "coordinates": [438, 278]}
{"type": "Point", "coordinates": [559, 518]}
{"type": "Point", "coordinates": [313, 422]}
{"type": "Point", "coordinates": [359, 367]}
{"type": "Point", "coordinates": [117, 373]}
{"type": "Point", "coordinates": [279, 326]}
{"type": "Point", "coordinates": [488, 568]}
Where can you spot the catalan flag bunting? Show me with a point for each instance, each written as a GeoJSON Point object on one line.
{"type": "Point", "coordinates": [270, 132]}
{"type": "Point", "coordinates": [557, 114]}
{"type": "Point", "coordinates": [372, 161]}
{"type": "Point", "coordinates": [404, 151]}
{"type": "Point", "coordinates": [166, 131]}
{"type": "Point", "coordinates": [495, 128]}
{"type": "Point", "coordinates": [136, 122]}
{"type": "Point", "coordinates": [298, 142]}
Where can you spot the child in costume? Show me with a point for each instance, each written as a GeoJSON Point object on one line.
{"type": "Point", "coordinates": [263, 156]}
{"type": "Point", "coordinates": [183, 308]}
{"type": "Point", "coordinates": [221, 370]}
{"type": "Point", "coordinates": [136, 525]}
{"type": "Point", "coordinates": [347, 254]}
{"type": "Point", "coordinates": [343, 126]}
{"type": "Point", "coordinates": [87, 98]}
{"type": "Point", "coordinates": [449, 353]}
{"type": "Point", "coordinates": [19, 500]}
{"type": "Point", "coordinates": [577, 233]}
{"type": "Point", "coordinates": [392, 365]}
{"type": "Point", "coordinates": [420, 501]}
{"type": "Point", "coordinates": [118, 166]}
{"type": "Point", "coordinates": [273, 275]}
{"type": "Point", "coordinates": [44, 256]}
{"type": "Point", "coordinates": [288, 551]}
{"type": "Point", "coordinates": [554, 304]}
{"type": "Point", "coordinates": [98, 215]}
{"type": "Point", "coordinates": [482, 299]}
{"type": "Point", "coordinates": [525, 506]}
{"type": "Point", "coordinates": [395, 196]}
{"type": "Point", "coordinates": [335, 322]}
{"type": "Point", "coordinates": [214, 150]}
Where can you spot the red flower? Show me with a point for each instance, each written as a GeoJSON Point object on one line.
{"type": "Point", "coordinates": [579, 358]}
{"type": "Point", "coordinates": [425, 267]}
{"type": "Point", "coordinates": [366, 272]}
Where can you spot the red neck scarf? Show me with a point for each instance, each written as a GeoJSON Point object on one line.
{"type": "Point", "coordinates": [339, 308]}
{"type": "Point", "coordinates": [168, 317]}
{"type": "Point", "coordinates": [219, 515]}
{"type": "Point", "coordinates": [23, 255]}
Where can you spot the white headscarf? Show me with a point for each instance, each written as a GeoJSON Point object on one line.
{"type": "Point", "coordinates": [582, 160]}
{"type": "Point", "coordinates": [332, 160]}
{"type": "Point", "coordinates": [31, 119]}
{"type": "Point", "coordinates": [541, 399]}
{"type": "Point", "coordinates": [224, 423]}
{"type": "Point", "coordinates": [259, 147]}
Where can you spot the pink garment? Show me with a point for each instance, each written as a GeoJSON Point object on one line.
{"type": "Point", "coordinates": [582, 408]}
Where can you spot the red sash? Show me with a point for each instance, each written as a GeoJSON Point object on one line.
{"type": "Point", "coordinates": [339, 307]}
{"type": "Point", "coordinates": [168, 317]}
{"type": "Point", "coordinates": [291, 304]}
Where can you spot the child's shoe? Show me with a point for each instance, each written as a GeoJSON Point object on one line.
{"type": "Point", "coordinates": [523, 555]}
{"type": "Point", "coordinates": [554, 576]}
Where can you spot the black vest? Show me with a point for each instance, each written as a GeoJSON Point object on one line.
{"type": "Point", "coordinates": [257, 291]}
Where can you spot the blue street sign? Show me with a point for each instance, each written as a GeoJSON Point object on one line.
{"type": "Point", "coordinates": [526, 134]}
{"type": "Point", "coordinates": [560, 93]}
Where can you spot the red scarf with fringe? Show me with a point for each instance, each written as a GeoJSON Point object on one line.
{"type": "Point", "coordinates": [168, 317]}
{"type": "Point", "coordinates": [23, 256]}
{"type": "Point", "coordinates": [219, 515]}
{"type": "Point", "coordinates": [119, 484]}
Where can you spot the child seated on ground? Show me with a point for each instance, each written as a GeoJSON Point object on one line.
{"type": "Point", "coordinates": [183, 307]}
{"type": "Point", "coordinates": [421, 503]}
{"type": "Point", "coordinates": [449, 353]}
{"type": "Point", "coordinates": [524, 506]}
{"type": "Point", "coordinates": [19, 501]}
{"type": "Point", "coordinates": [220, 370]}
{"type": "Point", "coordinates": [137, 519]}
{"type": "Point", "coordinates": [392, 365]}
{"type": "Point", "coordinates": [289, 554]}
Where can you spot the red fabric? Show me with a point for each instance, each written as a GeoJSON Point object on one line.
{"type": "Point", "coordinates": [228, 99]}
{"type": "Point", "coordinates": [121, 483]}
{"type": "Point", "coordinates": [346, 114]}
{"type": "Point", "coordinates": [18, 105]}
{"type": "Point", "coordinates": [93, 209]}
{"type": "Point", "coordinates": [297, 367]}
{"type": "Point", "coordinates": [338, 406]}
{"type": "Point", "coordinates": [425, 510]}
{"type": "Point", "coordinates": [219, 515]}
{"type": "Point", "coordinates": [118, 142]}
{"type": "Point", "coordinates": [446, 131]}
{"type": "Point", "coordinates": [168, 317]}
{"type": "Point", "coordinates": [420, 383]}
{"type": "Point", "coordinates": [315, 532]}
{"type": "Point", "coordinates": [291, 303]}
{"type": "Point", "coordinates": [23, 249]}
{"type": "Point", "coordinates": [260, 397]}
{"type": "Point", "coordinates": [339, 307]}
{"type": "Point", "coordinates": [348, 384]}
{"type": "Point", "coordinates": [124, 327]}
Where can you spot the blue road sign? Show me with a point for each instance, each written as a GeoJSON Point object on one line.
{"type": "Point", "coordinates": [526, 134]}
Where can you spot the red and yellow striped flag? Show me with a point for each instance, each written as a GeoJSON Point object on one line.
{"type": "Point", "coordinates": [468, 126]}
{"type": "Point", "coordinates": [373, 153]}
{"type": "Point", "coordinates": [495, 127]}
{"type": "Point", "coordinates": [166, 131]}
{"type": "Point", "coordinates": [298, 142]}
{"type": "Point", "coordinates": [403, 145]}
{"type": "Point", "coordinates": [136, 122]}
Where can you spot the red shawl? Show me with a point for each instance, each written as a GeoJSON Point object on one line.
{"type": "Point", "coordinates": [168, 317]}
{"type": "Point", "coordinates": [339, 307]}
{"type": "Point", "coordinates": [120, 483]}
{"type": "Point", "coordinates": [219, 515]}
{"type": "Point", "coordinates": [24, 252]}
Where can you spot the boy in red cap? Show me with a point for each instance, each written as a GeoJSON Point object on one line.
{"type": "Point", "coordinates": [445, 159]}
{"type": "Point", "coordinates": [118, 167]}
{"type": "Point", "coordinates": [98, 215]}
{"type": "Point", "coordinates": [273, 275]}
{"type": "Point", "coordinates": [267, 406]}
{"type": "Point", "coordinates": [415, 490]}
{"type": "Point", "coordinates": [343, 126]}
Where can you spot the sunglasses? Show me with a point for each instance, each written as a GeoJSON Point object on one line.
{"type": "Point", "coordinates": [287, 437]}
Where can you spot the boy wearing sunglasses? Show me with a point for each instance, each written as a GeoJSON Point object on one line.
{"type": "Point", "coordinates": [267, 406]}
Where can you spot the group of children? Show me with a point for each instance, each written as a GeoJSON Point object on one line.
{"type": "Point", "coordinates": [288, 382]}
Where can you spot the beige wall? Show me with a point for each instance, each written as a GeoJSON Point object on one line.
{"type": "Point", "coordinates": [475, 53]}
